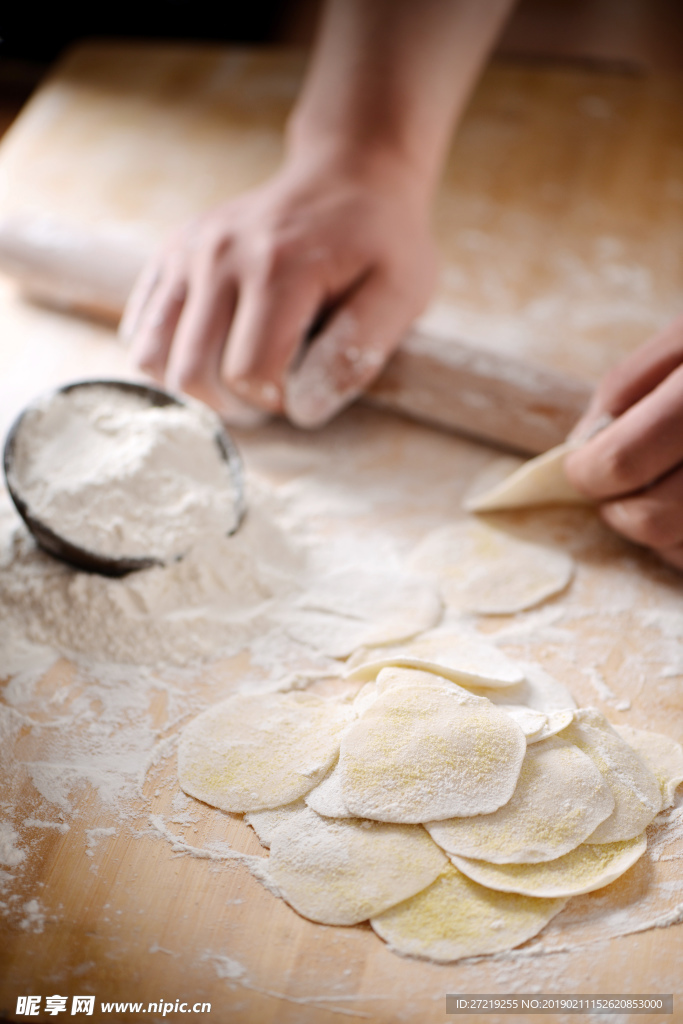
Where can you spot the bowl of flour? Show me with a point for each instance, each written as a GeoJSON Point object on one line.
{"type": "Point", "coordinates": [114, 476]}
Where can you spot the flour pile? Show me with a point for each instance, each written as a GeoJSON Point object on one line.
{"type": "Point", "coordinates": [112, 473]}
{"type": "Point", "coordinates": [424, 808]}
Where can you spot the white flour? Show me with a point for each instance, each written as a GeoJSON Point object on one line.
{"type": "Point", "coordinates": [115, 475]}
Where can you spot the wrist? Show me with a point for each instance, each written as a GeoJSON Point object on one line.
{"type": "Point", "coordinates": [373, 162]}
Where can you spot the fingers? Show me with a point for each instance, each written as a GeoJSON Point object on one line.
{"type": "Point", "coordinates": [157, 322]}
{"type": "Point", "coordinates": [652, 518]}
{"type": "Point", "coordinates": [642, 445]}
{"type": "Point", "coordinates": [273, 317]}
{"type": "Point", "coordinates": [634, 377]}
{"type": "Point", "coordinates": [347, 355]}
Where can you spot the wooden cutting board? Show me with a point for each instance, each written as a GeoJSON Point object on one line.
{"type": "Point", "coordinates": [559, 226]}
{"type": "Point", "coordinates": [556, 257]}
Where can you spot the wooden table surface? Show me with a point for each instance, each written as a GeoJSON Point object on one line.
{"type": "Point", "coordinates": [559, 223]}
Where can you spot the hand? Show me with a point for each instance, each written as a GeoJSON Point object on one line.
{"type": "Point", "coordinates": [634, 467]}
{"type": "Point", "coordinates": [227, 306]}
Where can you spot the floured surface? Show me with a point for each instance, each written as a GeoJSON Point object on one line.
{"type": "Point", "coordinates": [169, 908]}
{"type": "Point", "coordinates": [480, 569]}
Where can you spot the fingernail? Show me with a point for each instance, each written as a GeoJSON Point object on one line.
{"type": "Point", "coordinates": [585, 430]}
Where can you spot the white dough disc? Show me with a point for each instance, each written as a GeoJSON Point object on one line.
{"type": "Point", "coordinates": [480, 569]}
{"type": "Point", "coordinates": [455, 918]}
{"type": "Point", "coordinates": [264, 823]}
{"type": "Point", "coordinates": [637, 797]}
{"type": "Point", "coordinates": [467, 660]}
{"type": "Point", "coordinates": [539, 690]}
{"type": "Point", "coordinates": [581, 870]}
{"type": "Point", "coordinates": [427, 749]}
{"type": "Point", "coordinates": [559, 800]}
{"type": "Point", "coordinates": [354, 608]}
{"type": "Point", "coordinates": [257, 751]}
{"type": "Point", "coordinates": [343, 872]}
{"type": "Point", "coordinates": [532, 723]}
{"type": "Point", "coordinates": [327, 798]}
{"type": "Point", "coordinates": [662, 755]}
{"type": "Point", "coordinates": [541, 481]}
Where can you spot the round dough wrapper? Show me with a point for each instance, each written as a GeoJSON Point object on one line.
{"type": "Point", "coordinates": [560, 798]}
{"type": "Point", "coordinates": [264, 823]}
{"type": "Point", "coordinates": [427, 749]}
{"type": "Point", "coordinates": [253, 752]}
{"type": "Point", "coordinates": [480, 569]}
{"type": "Point", "coordinates": [455, 918]}
{"type": "Point", "coordinates": [540, 481]}
{"type": "Point", "coordinates": [532, 723]}
{"type": "Point", "coordinates": [466, 660]}
{"type": "Point", "coordinates": [354, 608]}
{"type": "Point", "coordinates": [662, 755]}
{"type": "Point", "coordinates": [343, 872]}
{"type": "Point", "coordinates": [539, 691]}
{"type": "Point", "coordinates": [327, 798]}
{"type": "Point", "coordinates": [637, 797]}
{"type": "Point", "coordinates": [582, 870]}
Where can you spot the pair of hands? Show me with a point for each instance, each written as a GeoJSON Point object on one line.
{"type": "Point", "coordinates": [227, 310]}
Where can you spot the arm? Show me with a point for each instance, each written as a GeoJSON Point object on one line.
{"type": "Point", "coordinates": [634, 467]}
{"type": "Point", "coordinates": [339, 237]}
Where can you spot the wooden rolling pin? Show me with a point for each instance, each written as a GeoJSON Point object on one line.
{"type": "Point", "coordinates": [445, 382]}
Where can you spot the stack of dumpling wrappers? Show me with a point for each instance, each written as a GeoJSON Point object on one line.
{"type": "Point", "coordinates": [437, 803]}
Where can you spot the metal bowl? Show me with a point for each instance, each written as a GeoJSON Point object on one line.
{"type": "Point", "coordinates": [80, 557]}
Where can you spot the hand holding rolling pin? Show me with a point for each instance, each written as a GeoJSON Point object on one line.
{"type": "Point", "coordinates": [291, 298]}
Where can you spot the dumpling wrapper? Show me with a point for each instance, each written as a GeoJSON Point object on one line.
{"type": "Point", "coordinates": [466, 660]}
{"type": "Point", "coordinates": [637, 796]}
{"type": "Point", "coordinates": [327, 798]}
{"type": "Point", "coordinates": [456, 918]}
{"type": "Point", "coordinates": [559, 800]}
{"type": "Point", "coordinates": [538, 725]}
{"type": "Point", "coordinates": [264, 823]}
{"type": "Point", "coordinates": [353, 608]}
{"type": "Point", "coordinates": [662, 755]}
{"type": "Point", "coordinates": [581, 870]}
{"type": "Point", "coordinates": [540, 481]}
{"type": "Point", "coordinates": [427, 749]}
{"type": "Point", "coordinates": [258, 751]}
{"type": "Point", "coordinates": [483, 570]}
{"type": "Point", "coordinates": [343, 872]}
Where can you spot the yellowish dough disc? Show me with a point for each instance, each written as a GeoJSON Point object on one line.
{"type": "Point", "coordinates": [559, 800]}
{"type": "Point", "coordinates": [343, 872]}
{"type": "Point", "coordinates": [257, 751]}
{"type": "Point", "coordinates": [264, 823]}
{"type": "Point", "coordinates": [582, 870]}
{"type": "Point", "coordinates": [427, 749]}
{"type": "Point", "coordinates": [455, 918]}
{"type": "Point", "coordinates": [328, 798]}
{"type": "Point", "coordinates": [540, 481]}
{"type": "Point", "coordinates": [637, 796]}
{"type": "Point", "coordinates": [483, 570]}
{"type": "Point", "coordinates": [466, 660]}
{"type": "Point", "coordinates": [662, 755]}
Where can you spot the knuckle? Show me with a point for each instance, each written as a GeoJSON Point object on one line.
{"type": "Point", "coordinates": [619, 469]}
